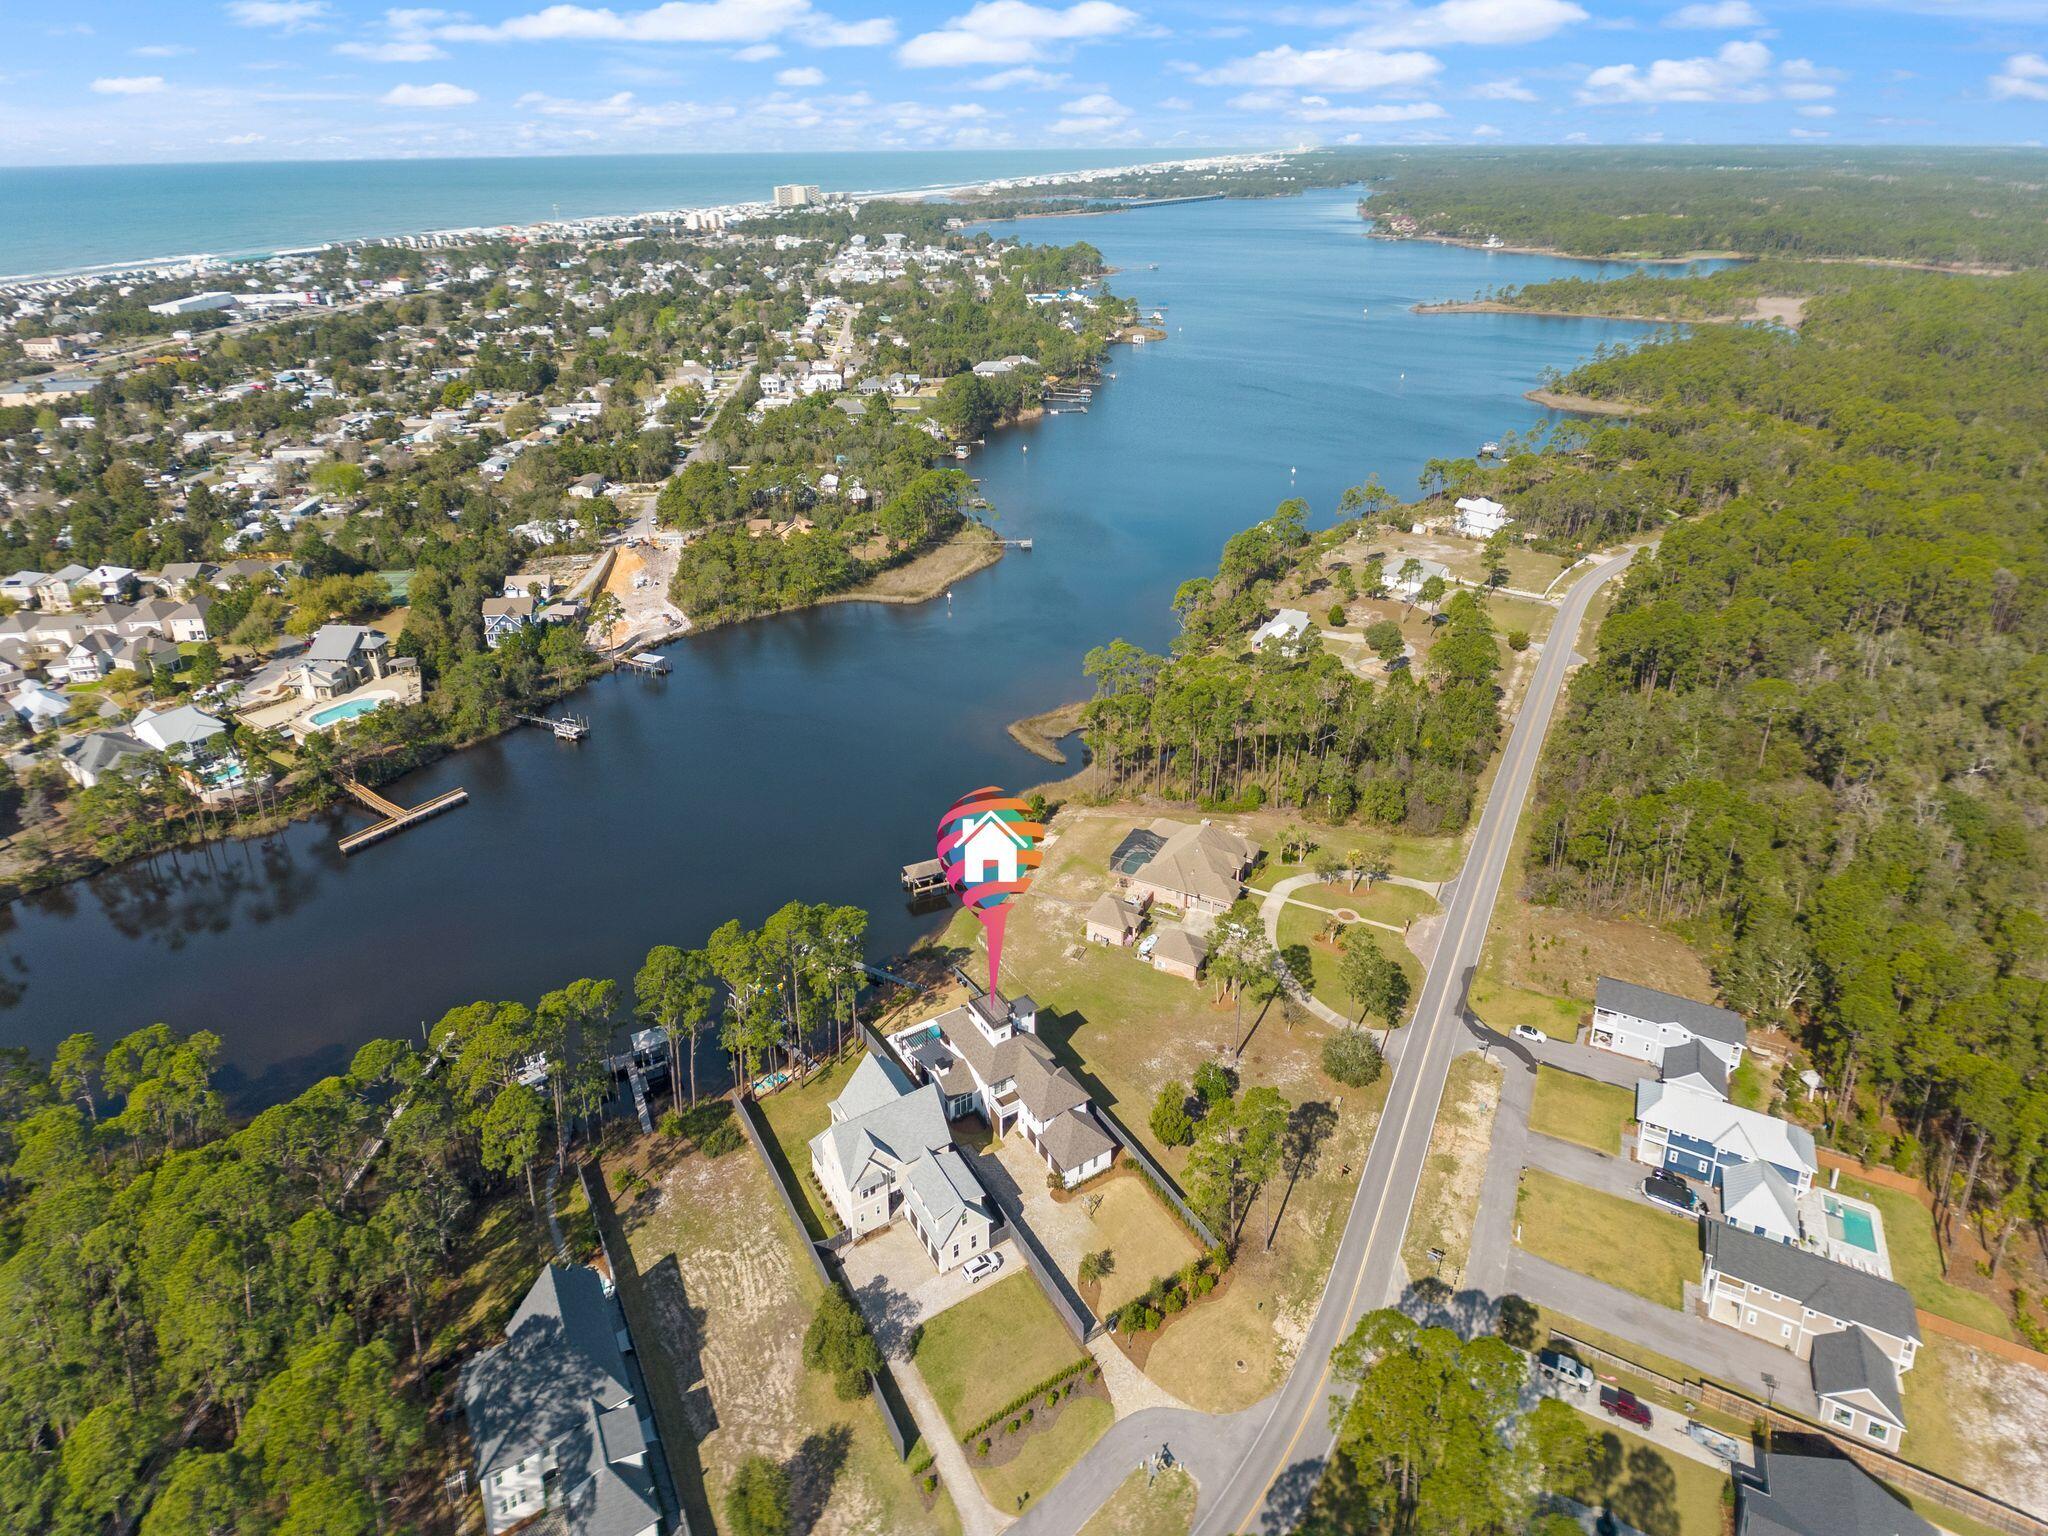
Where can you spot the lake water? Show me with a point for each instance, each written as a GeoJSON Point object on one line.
{"type": "Point", "coordinates": [809, 756]}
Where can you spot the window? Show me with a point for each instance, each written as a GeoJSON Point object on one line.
{"type": "Point", "coordinates": [1784, 1330]}
{"type": "Point", "coordinates": [1841, 1415]}
{"type": "Point", "coordinates": [1879, 1431]}
{"type": "Point", "coordinates": [1750, 1316]}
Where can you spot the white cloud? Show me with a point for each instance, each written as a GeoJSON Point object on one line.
{"type": "Point", "coordinates": [1816, 111]}
{"type": "Point", "coordinates": [398, 51]}
{"type": "Point", "coordinates": [1715, 16]}
{"type": "Point", "coordinates": [440, 94]}
{"type": "Point", "coordinates": [757, 53]}
{"type": "Point", "coordinates": [1502, 90]}
{"type": "Point", "coordinates": [1175, 104]}
{"type": "Point", "coordinates": [1468, 21]}
{"type": "Point", "coordinates": [278, 15]}
{"type": "Point", "coordinates": [1022, 78]}
{"type": "Point", "coordinates": [618, 105]}
{"type": "Point", "coordinates": [1012, 32]}
{"type": "Point", "coordinates": [242, 140]}
{"type": "Point", "coordinates": [160, 51]}
{"type": "Point", "coordinates": [675, 21]}
{"type": "Point", "coordinates": [1740, 72]}
{"type": "Point", "coordinates": [1485, 131]}
{"type": "Point", "coordinates": [128, 85]}
{"type": "Point", "coordinates": [1326, 69]}
{"type": "Point", "coordinates": [2024, 78]}
{"type": "Point", "coordinates": [1809, 133]}
{"type": "Point", "coordinates": [1320, 109]}
{"type": "Point", "coordinates": [800, 77]}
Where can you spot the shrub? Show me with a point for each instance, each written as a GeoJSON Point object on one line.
{"type": "Point", "coordinates": [1029, 1415]}
{"type": "Point", "coordinates": [1014, 1425]}
{"type": "Point", "coordinates": [1518, 639]}
{"type": "Point", "coordinates": [757, 1502]}
{"type": "Point", "coordinates": [670, 1124]}
{"type": "Point", "coordinates": [838, 1342]}
{"type": "Point", "coordinates": [982, 1448]}
{"type": "Point", "coordinates": [1171, 1122]}
{"type": "Point", "coordinates": [1350, 1057]}
{"type": "Point", "coordinates": [1172, 1302]}
{"type": "Point", "coordinates": [1204, 1283]}
{"type": "Point", "coordinates": [931, 1482]}
{"type": "Point", "coordinates": [1148, 1319]}
{"type": "Point", "coordinates": [1052, 1398]}
{"type": "Point", "coordinates": [1213, 1084]}
{"type": "Point", "coordinates": [1336, 615]}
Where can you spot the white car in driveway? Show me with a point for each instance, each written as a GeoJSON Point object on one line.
{"type": "Point", "coordinates": [1530, 1033]}
{"type": "Point", "coordinates": [981, 1266]}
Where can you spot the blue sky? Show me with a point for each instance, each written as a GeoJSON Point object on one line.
{"type": "Point", "coordinates": [139, 80]}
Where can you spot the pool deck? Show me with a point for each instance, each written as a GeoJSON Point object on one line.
{"type": "Point", "coordinates": [1820, 1236]}
{"type": "Point", "coordinates": [296, 714]}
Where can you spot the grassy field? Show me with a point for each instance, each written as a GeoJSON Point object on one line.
{"type": "Point", "coordinates": [1574, 1108]}
{"type": "Point", "coordinates": [1126, 1030]}
{"type": "Point", "coordinates": [726, 1280]}
{"type": "Point", "coordinates": [1302, 925]}
{"type": "Point", "coordinates": [971, 1379]}
{"type": "Point", "coordinates": [1447, 1200]}
{"type": "Point", "coordinates": [1652, 1490]}
{"type": "Point", "coordinates": [1165, 1507]}
{"type": "Point", "coordinates": [1916, 1260]}
{"type": "Point", "coordinates": [1396, 904]}
{"type": "Point", "coordinates": [1144, 1239]}
{"type": "Point", "coordinates": [1419, 858]}
{"type": "Point", "coordinates": [794, 1116]}
{"type": "Point", "coordinates": [1749, 1088]}
{"type": "Point", "coordinates": [1045, 1456]}
{"type": "Point", "coordinates": [1607, 1238]}
{"type": "Point", "coordinates": [1502, 1007]}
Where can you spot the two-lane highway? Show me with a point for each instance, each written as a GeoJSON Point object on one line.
{"type": "Point", "coordinates": [1264, 1492]}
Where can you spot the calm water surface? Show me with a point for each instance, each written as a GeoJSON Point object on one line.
{"type": "Point", "coordinates": [809, 756]}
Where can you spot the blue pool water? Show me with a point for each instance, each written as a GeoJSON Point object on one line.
{"type": "Point", "coordinates": [1853, 1226]}
{"type": "Point", "coordinates": [334, 714]}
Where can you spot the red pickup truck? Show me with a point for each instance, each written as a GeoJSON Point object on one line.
{"type": "Point", "coordinates": [1625, 1405]}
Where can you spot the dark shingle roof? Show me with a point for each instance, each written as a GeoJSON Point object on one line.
{"type": "Point", "coordinates": [1832, 1289]}
{"type": "Point", "coordinates": [1850, 1361]}
{"type": "Point", "coordinates": [1664, 1008]}
{"type": "Point", "coordinates": [1819, 1496]}
{"type": "Point", "coordinates": [1689, 1059]}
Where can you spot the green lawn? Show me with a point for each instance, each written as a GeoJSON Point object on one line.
{"type": "Point", "coordinates": [1145, 1240]}
{"type": "Point", "coordinates": [1502, 1007]}
{"type": "Point", "coordinates": [794, 1116]}
{"type": "Point", "coordinates": [1045, 1456]}
{"type": "Point", "coordinates": [1652, 1490]}
{"type": "Point", "coordinates": [1299, 925]}
{"type": "Point", "coordinates": [1419, 858]}
{"type": "Point", "coordinates": [1607, 1238]}
{"type": "Point", "coordinates": [1749, 1088]}
{"type": "Point", "coordinates": [970, 1375]}
{"type": "Point", "coordinates": [1165, 1506]}
{"type": "Point", "coordinates": [1916, 1262]}
{"type": "Point", "coordinates": [1574, 1108]}
{"type": "Point", "coordinates": [1396, 904]}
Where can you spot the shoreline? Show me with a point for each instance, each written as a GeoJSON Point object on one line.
{"type": "Point", "coordinates": [1639, 258]}
{"type": "Point", "coordinates": [1041, 734]}
{"type": "Point", "coordinates": [1779, 309]}
{"type": "Point", "coordinates": [195, 263]}
{"type": "Point", "coordinates": [1582, 405]}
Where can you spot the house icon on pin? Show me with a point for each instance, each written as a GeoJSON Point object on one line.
{"type": "Point", "coordinates": [989, 850]}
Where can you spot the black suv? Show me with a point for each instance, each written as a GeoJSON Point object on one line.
{"type": "Point", "coordinates": [1671, 1192]}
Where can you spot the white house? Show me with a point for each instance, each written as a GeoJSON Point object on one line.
{"type": "Point", "coordinates": [888, 1153]}
{"type": "Point", "coordinates": [1480, 517]}
{"type": "Point", "coordinates": [989, 851]}
{"type": "Point", "coordinates": [1284, 629]}
{"type": "Point", "coordinates": [1644, 1023]}
{"type": "Point", "coordinates": [1701, 1136]}
{"type": "Point", "coordinates": [984, 1057]}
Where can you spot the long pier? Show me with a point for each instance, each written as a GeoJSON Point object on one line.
{"type": "Point", "coordinates": [393, 817]}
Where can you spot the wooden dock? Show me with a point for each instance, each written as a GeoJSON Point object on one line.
{"type": "Point", "coordinates": [645, 661]}
{"type": "Point", "coordinates": [925, 878]}
{"type": "Point", "coordinates": [394, 818]}
{"type": "Point", "coordinates": [565, 727]}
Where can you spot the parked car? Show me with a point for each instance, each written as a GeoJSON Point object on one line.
{"type": "Point", "coordinates": [1530, 1033]}
{"type": "Point", "coordinates": [1671, 1192]}
{"type": "Point", "coordinates": [1564, 1369]}
{"type": "Point", "coordinates": [982, 1265]}
{"type": "Point", "coordinates": [1626, 1406]}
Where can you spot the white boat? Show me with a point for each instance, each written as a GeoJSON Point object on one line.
{"type": "Point", "coordinates": [1488, 450]}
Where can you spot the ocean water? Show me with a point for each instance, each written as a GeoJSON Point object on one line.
{"type": "Point", "coordinates": [69, 218]}
{"type": "Point", "coordinates": [808, 756]}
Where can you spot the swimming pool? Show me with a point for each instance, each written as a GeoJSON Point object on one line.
{"type": "Point", "coordinates": [350, 709]}
{"type": "Point", "coordinates": [1850, 1224]}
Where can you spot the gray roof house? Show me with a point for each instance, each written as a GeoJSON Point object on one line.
{"type": "Point", "coordinates": [888, 1153]}
{"type": "Point", "coordinates": [552, 1417]}
{"type": "Point", "coordinates": [1643, 1022]}
{"type": "Point", "coordinates": [92, 757]}
{"type": "Point", "coordinates": [1692, 1065]}
{"type": "Point", "coordinates": [1795, 1495]}
{"type": "Point", "coordinates": [1802, 1302]}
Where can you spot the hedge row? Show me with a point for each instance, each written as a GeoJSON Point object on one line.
{"type": "Point", "coordinates": [1027, 1399]}
{"type": "Point", "coordinates": [1172, 1293]}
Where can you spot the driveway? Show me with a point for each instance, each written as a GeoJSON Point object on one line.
{"type": "Point", "coordinates": [892, 1278]}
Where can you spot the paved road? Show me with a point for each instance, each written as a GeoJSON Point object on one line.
{"type": "Point", "coordinates": [1255, 1469]}
{"type": "Point", "coordinates": [1267, 1489]}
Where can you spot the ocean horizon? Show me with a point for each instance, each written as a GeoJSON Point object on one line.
{"type": "Point", "coordinates": [71, 219]}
